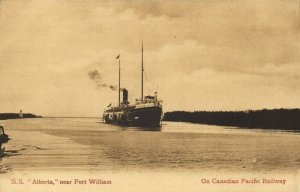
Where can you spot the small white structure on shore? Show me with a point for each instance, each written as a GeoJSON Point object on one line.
{"type": "Point", "coordinates": [21, 114]}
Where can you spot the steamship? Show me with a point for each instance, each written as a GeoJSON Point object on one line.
{"type": "Point", "coordinates": [145, 112]}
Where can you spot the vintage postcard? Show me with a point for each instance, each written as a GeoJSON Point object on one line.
{"type": "Point", "coordinates": [149, 95]}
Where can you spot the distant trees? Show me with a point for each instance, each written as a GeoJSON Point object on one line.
{"type": "Point", "coordinates": [286, 119]}
{"type": "Point", "coordinates": [16, 115]}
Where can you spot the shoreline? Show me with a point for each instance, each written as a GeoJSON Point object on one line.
{"type": "Point", "coordinates": [277, 119]}
{"type": "Point", "coordinates": [5, 116]}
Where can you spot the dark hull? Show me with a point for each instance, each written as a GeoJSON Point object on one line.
{"type": "Point", "coordinates": [3, 137]}
{"type": "Point", "coordinates": [142, 117]}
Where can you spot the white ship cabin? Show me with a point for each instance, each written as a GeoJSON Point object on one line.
{"type": "Point", "coordinates": [148, 101]}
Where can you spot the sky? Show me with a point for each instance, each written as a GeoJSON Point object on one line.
{"type": "Point", "coordinates": [58, 57]}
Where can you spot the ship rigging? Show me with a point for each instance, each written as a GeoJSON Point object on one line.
{"type": "Point", "coordinates": [146, 111]}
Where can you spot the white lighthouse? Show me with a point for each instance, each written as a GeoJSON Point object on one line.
{"type": "Point", "coordinates": [21, 114]}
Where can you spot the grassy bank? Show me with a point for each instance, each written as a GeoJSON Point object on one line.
{"type": "Point", "coordinates": [285, 119]}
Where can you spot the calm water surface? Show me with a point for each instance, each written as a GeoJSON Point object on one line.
{"type": "Point", "coordinates": [88, 144]}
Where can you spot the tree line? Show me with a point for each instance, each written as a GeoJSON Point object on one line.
{"type": "Point", "coordinates": [286, 119]}
{"type": "Point", "coordinates": [4, 116]}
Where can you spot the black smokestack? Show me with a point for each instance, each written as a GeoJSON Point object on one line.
{"type": "Point", "coordinates": [96, 77]}
{"type": "Point", "coordinates": [125, 96]}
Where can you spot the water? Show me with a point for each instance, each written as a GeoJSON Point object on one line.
{"type": "Point", "coordinates": [83, 143]}
{"type": "Point", "coordinates": [87, 145]}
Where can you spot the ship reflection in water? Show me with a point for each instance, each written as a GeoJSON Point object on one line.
{"type": "Point", "coordinates": [139, 128]}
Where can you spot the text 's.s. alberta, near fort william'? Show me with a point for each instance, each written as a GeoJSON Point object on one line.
{"type": "Point", "coordinates": [149, 95]}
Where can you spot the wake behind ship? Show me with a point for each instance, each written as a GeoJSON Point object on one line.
{"type": "Point", "coordinates": [145, 112]}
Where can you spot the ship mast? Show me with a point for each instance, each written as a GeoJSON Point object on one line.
{"type": "Point", "coordinates": [119, 79]}
{"type": "Point", "coordinates": [118, 57]}
{"type": "Point", "coordinates": [142, 89]}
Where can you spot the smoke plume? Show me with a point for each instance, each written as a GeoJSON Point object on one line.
{"type": "Point", "coordinates": [96, 77]}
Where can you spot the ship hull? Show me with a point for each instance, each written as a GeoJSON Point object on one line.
{"type": "Point", "coordinates": [142, 117]}
{"type": "Point", "coordinates": [150, 116]}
